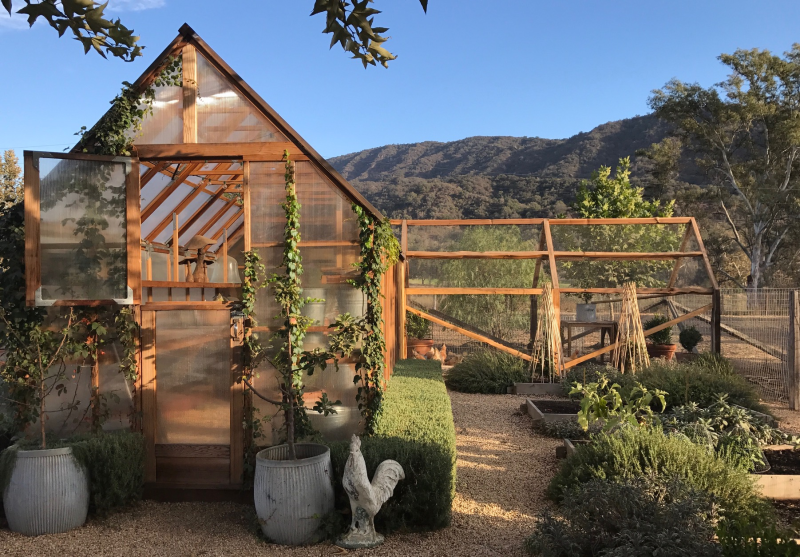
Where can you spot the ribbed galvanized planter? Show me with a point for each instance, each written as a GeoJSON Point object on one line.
{"type": "Point", "coordinates": [48, 493]}
{"type": "Point", "coordinates": [292, 496]}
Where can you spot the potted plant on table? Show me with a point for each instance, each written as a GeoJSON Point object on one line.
{"type": "Point", "coordinates": [417, 328]}
{"type": "Point", "coordinates": [689, 338]}
{"type": "Point", "coordinates": [660, 345]}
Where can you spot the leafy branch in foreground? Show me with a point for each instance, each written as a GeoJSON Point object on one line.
{"type": "Point", "coordinates": [354, 30]}
{"type": "Point", "coordinates": [85, 19]}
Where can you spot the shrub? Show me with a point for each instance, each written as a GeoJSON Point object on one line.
{"type": "Point", "coordinates": [590, 373]}
{"type": "Point", "coordinates": [567, 429]}
{"type": "Point", "coordinates": [487, 372]}
{"type": "Point", "coordinates": [646, 516]}
{"type": "Point", "coordinates": [757, 537]}
{"type": "Point", "coordinates": [415, 429]}
{"type": "Point", "coordinates": [416, 326]}
{"type": "Point", "coordinates": [632, 452]}
{"type": "Point", "coordinates": [689, 338]}
{"type": "Point", "coordinates": [714, 363]}
{"type": "Point", "coordinates": [664, 336]}
{"type": "Point", "coordinates": [115, 464]}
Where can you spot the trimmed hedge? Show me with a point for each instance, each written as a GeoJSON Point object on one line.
{"type": "Point", "coordinates": [487, 371]}
{"type": "Point", "coordinates": [415, 429]}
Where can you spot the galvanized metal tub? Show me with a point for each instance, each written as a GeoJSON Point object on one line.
{"type": "Point", "coordinates": [48, 493]}
{"type": "Point", "coordinates": [292, 496]}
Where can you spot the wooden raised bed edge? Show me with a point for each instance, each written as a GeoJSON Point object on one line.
{"type": "Point", "coordinates": [539, 416]}
{"type": "Point", "coordinates": [536, 389]}
{"type": "Point", "coordinates": [782, 487]}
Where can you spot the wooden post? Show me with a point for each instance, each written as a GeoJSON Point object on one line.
{"type": "Point", "coordinates": [553, 270]}
{"type": "Point", "coordinates": [148, 382]}
{"type": "Point", "coordinates": [225, 257]}
{"type": "Point", "coordinates": [175, 237]}
{"type": "Point", "coordinates": [189, 70]}
{"type": "Point", "coordinates": [794, 350]}
{"type": "Point", "coordinates": [716, 322]}
{"type": "Point", "coordinates": [402, 280]}
{"type": "Point", "coordinates": [237, 401]}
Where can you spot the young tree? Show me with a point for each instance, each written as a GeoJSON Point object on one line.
{"type": "Point", "coordinates": [745, 131]}
{"type": "Point", "coordinates": [350, 22]}
{"type": "Point", "coordinates": [10, 179]}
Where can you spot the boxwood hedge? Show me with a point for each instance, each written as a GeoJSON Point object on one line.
{"type": "Point", "coordinates": [415, 429]}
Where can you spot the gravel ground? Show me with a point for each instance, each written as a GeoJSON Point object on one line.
{"type": "Point", "coordinates": [503, 469]}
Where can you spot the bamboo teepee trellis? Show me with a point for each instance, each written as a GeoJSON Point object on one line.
{"type": "Point", "coordinates": [631, 350]}
{"type": "Point", "coordinates": [547, 344]}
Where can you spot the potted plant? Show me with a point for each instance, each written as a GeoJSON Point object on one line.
{"type": "Point", "coordinates": [689, 338]}
{"type": "Point", "coordinates": [45, 490]}
{"type": "Point", "coordinates": [660, 345]}
{"type": "Point", "coordinates": [293, 486]}
{"type": "Point", "coordinates": [417, 329]}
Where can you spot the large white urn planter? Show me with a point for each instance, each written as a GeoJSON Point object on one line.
{"type": "Point", "coordinates": [48, 493]}
{"type": "Point", "coordinates": [292, 496]}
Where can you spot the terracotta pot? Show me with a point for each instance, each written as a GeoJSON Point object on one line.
{"type": "Point", "coordinates": [666, 351]}
{"type": "Point", "coordinates": [421, 345]}
{"type": "Point", "coordinates": [686, 356]}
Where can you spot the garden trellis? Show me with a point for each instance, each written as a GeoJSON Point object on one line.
{"type": "Point", "coordinates": [447, 268]}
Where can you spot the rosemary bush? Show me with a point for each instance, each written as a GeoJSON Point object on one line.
{"type": "Point", "coordinates": [488, 372]}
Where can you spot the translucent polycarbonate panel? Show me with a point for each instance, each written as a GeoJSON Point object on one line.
{"type": "Point", "coordinates": [325, 214]}
{"type": "Point", "coordinates": [506, 318]}
{"type": "Point", "coordinates": [224, 115]}
{"type": "Point", "coordinates": [69, 410]}
{"type": "Point", "coordinates": [324, 270]}
{"type": "Point", "coordinates": [643, 238]}
{"type": "Point", "coordinates": [474, 273]}
{"type": "Point", "coordinates": [207, 216]}
{"type": "Point", "coordinates": [473, 238]}
{"type": "Point", "coordinates": [83, 229]}
{"type": "Point", "coordinates": [165, 123]}
{"type": "Point", "coordinates": [116, 392]}
{"type": "Point", "coordinates": [154, 185]}
{"type": "Point", "coordinates": [193, 373]}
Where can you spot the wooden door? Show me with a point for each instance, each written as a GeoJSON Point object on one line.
{"type": "Point", "coordinates": [192, 406]}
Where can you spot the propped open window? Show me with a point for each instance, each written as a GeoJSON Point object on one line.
{"type": "Point", "coordinates": [82, 229]}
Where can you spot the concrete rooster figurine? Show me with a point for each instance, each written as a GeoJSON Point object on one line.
{"type": "Point", "coordinates": [366, 498]}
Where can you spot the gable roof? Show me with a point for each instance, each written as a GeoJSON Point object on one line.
{"type": "Point", "coordinates": [186, 36]}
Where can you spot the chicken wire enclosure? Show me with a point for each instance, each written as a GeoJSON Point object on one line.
{"type": "Point", "coordinates": [466, 276]}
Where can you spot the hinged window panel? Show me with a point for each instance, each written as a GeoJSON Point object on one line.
{"type": "Point", "coordinates": [82, 229]}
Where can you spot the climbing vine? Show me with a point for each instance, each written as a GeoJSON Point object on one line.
{"type": "Point", "coordinates": [114, 133]}
{"type": "Point", "coordinates": [379, 251]}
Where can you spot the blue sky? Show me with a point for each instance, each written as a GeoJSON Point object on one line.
{"type": "Point", "coordinates": [468, 67]}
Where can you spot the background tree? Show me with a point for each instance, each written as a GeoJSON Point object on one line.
{"type": "Point", "coordinates": [745, 131]}
{"type": "Point", "coordinates": [10, 179]}
{"type": "Point", "coordinates": [607, 197]}
{"type": "Point", "coordinates": [350, 22]}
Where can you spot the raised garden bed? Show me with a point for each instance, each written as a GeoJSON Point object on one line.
{"type": "Point", "coordinates": [783, 480]}
{"type": "Point", "coordinates": [536, 389]}
{"type": "Point", "coordinates": [552, 410]}
{"type": "Point", "coordinates": [570, 446]}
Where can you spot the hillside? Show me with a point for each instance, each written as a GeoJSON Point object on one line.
{"type": "Point", "coordinates": [497, 177]}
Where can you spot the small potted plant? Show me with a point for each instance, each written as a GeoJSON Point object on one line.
{"type": "Point", "coordinates": [689, 338]}
{"type": "Point", "coordinates": [417, 329]}
{"type": "Point", "coordinates": [660, 345]}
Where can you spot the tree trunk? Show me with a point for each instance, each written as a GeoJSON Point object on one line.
{"type": "Point", "coordinates": [756, 258]}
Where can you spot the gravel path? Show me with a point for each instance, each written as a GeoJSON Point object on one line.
{"type": "Point", "coordinates": [503, 469]}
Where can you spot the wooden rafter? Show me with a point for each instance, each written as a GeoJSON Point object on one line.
{"type": "Point", "coordinates": [178, 209]}
{"type": "Point", "coordinates": [218, 215]}
{"type": "Point", "coordinates": [227, 224]}
{"type": "Point", "coordinates": [151, 172]}
{"type": "Point", "coordinates": [167, 191]}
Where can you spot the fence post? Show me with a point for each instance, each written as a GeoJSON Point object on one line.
{"type": "Point", "coordinates": [716, 322]}
{"type": "Point", "coordinates": [794, 350]}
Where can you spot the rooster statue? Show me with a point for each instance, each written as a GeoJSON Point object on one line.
{"type": "Point", "coordinates": [366, 498]}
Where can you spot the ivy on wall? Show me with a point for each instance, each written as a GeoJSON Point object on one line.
{"type": "Point", "coordinates": [379, 251]}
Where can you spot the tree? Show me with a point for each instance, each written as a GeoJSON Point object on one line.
{"type": "Point", "coordinates": [350, 22]}
{"type": "Point", "coordinates": [10, 179]}
{"type": "Point", "coordinates": [745, 131]}
{"type": "Point", "coordinates": [607, 197]}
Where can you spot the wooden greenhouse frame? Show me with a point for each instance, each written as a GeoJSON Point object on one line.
{"type": "Point", "coordinates": [546, 252]}
{"type": "Point", "coordinates": [219, 178]}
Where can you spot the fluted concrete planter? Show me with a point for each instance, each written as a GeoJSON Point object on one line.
{"type": "Point", "coordinates": [292, 496]}
{"type": "Point", "coordinates": [48, 493]}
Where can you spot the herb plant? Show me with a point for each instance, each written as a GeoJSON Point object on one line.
{"type": "Point", "coordinates": [689, 338]}
{"type": "Point", "coordinates": [664, 336]}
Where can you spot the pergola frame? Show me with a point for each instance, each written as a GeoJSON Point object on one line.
{"type": "Point", "coordinates": [547, 252]}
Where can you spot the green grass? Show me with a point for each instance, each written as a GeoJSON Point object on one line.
{"type": "Point", "coordinates": [488, 372]}
{"type": "Point", "coordinates": [415, 429]}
